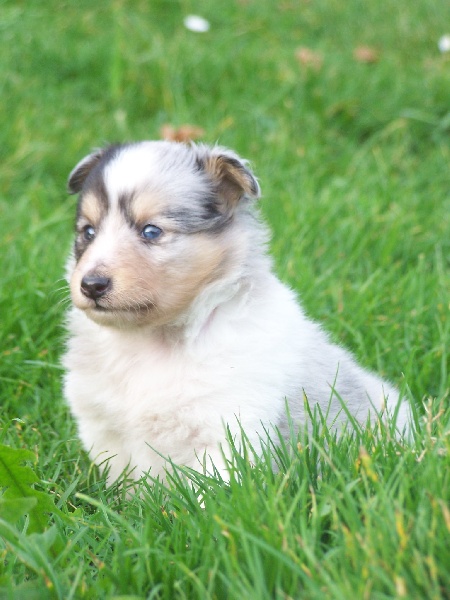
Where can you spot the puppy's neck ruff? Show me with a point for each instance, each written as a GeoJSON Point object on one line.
{"type": "Point", "coordinates": [213, 301]}
{"type": "Point", "coordinates": [229, 295]}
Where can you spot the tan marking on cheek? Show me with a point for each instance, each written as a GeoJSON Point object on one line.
{"type": "Point", "coordinates": [183, 278]}
{"type": "Point", "coordinates": [206, 257]}
{"type": "Point", "coordinates": [169, 279]}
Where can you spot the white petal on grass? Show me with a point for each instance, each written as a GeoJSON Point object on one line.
{"type": "Point", "coordinates": [196, 23]}
{"type": "Point", "coordinates": [444, 43]}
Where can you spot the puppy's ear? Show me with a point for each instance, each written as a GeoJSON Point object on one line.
{"type": "Point", "coordinates": [79, 174]}
{"type": "Point", "coordinates": [231, 177]}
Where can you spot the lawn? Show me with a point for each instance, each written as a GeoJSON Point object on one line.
{"type": "Point", "coordinates": [343, 109]}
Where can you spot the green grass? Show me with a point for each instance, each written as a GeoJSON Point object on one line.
{"type": "Point", "coordinates": [353, 162]}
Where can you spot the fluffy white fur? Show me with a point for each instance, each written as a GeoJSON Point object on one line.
{"type": "Point", "coordinates": [166, 381]}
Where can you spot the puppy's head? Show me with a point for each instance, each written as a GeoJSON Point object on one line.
{"type": "Point", "coordinates": [156, 223]}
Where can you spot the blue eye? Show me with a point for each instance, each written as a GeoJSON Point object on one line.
{"type": "Point", "coordinates": [151, 232]}
{"type": "Point", "coordinates": [88, 233]}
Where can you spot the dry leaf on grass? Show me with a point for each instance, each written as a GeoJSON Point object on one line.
{"type": "Point", "coordinates": [366, 54]}
{"type": "Point", "coordinates": [309, 58]}
{"type": "Point", "coordinates": [184, 133]}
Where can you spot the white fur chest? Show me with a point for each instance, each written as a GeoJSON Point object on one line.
{"type": "Point", "coordinates": [129, 390]}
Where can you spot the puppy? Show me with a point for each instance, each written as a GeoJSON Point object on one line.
{"type": "Point", "coordinates": [179, 326]}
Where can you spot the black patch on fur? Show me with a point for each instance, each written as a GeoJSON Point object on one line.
{"type": "Point", "coordinates": [199, 164]}
{"type": "Point", "coordinates": [206, 217]}
{"type": "Point", "coordinates": [125, 202]}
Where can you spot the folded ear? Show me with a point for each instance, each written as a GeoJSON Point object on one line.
{"type": "Point", "coordinates": [231, 177]}
{"type": "Point", "coordinates": [79, 174]}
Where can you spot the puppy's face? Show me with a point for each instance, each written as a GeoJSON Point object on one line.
{"type": "Point", "coordinates": [155, 225]}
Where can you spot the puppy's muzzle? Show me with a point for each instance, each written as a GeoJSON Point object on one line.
{"type": "Point", "coordinates": [95, 286]}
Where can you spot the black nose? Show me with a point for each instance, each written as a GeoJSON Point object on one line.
{"type": "Point", "coordinates": [95, 286]}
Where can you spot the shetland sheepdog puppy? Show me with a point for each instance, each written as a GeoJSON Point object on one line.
{"type": "Point", "coordinates": [179, 327]}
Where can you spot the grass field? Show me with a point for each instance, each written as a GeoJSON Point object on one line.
{"type": "Point", "coordinates": [352, 152]}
